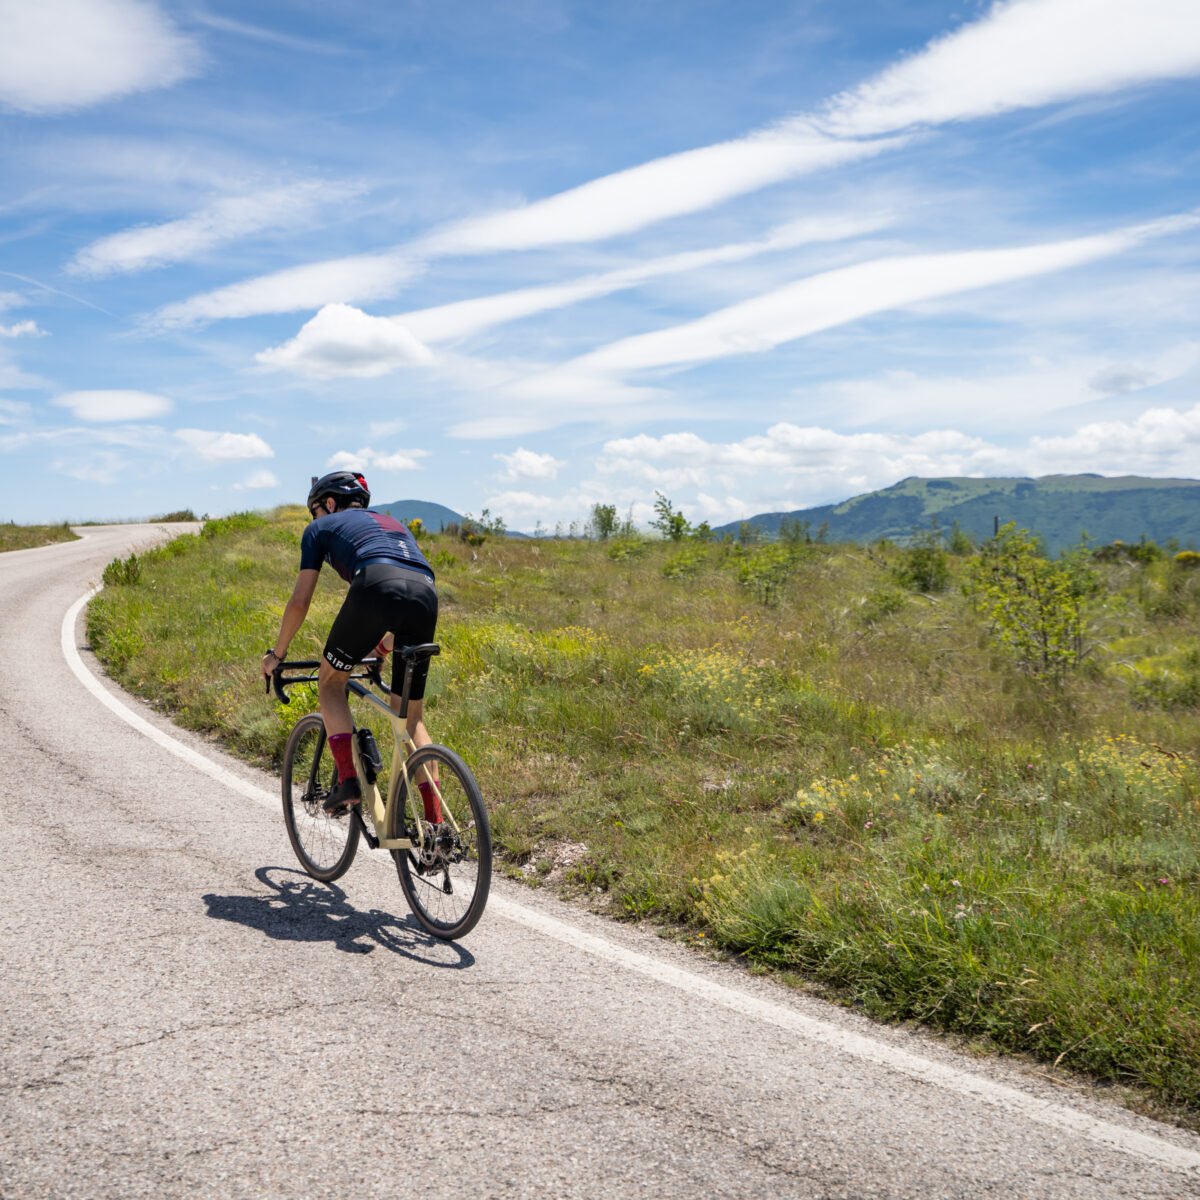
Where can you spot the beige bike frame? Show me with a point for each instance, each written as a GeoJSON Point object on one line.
{"type": "Point", "coordinates": [379, 808]}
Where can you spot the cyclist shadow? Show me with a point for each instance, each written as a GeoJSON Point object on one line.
{"type": "Point", "coordinates": [303, 910]}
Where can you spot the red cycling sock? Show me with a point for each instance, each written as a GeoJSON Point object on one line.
{"type": "Point", "coordinates": [433, 805]}
{"type": "Point", "coordinates": [343, 755]}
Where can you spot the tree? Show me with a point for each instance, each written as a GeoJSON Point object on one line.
{"type": "Point", "coordinates": [603, 523]}
{"type": "Point", "coordinates": [671, 524]}
{"type": "Point", "coordinates": [1035, 606]}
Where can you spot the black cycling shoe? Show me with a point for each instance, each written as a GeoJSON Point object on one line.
{"type": "Point", "coordinates": [343, 797]}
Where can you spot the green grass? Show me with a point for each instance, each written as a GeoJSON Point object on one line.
{"type": "Point", "coordinates": [788, 756]}
{"type": "Point", "coordinates": [25, 537]}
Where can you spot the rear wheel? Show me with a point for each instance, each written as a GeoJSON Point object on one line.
{"type": "Point", "coordinates": [324, 845]}
{"type": "Point", "coordinates": [446, 878]}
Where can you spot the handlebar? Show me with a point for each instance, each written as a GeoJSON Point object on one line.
{"type": "Point", "coordinates": [368, 669]}
{"type": "Point", "coordinates": [281, 681]}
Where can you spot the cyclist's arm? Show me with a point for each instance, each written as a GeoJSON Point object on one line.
{"type": "Point", "coordinates": [296, 610]}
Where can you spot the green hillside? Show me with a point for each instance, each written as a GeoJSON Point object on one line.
{"type": "Point", "coordinates": [1059, 508]}
{"type": "Point", "coordinates": [435, 517]}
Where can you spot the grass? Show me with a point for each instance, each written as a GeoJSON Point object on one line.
{"type": "Point", "coordinates": [25, 537]}
{"type": "Point", "coordinates": [785, 754]}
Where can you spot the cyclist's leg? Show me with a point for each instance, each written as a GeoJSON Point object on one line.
{"type": "Point", "coordinates": [350, 640]}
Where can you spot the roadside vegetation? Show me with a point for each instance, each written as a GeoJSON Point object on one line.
{"type": "Point", "coordinates": [946, 783]}
{"type": "Point", "coordinates": [25, 537]}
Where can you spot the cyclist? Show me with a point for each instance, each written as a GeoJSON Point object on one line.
{"type": "Point", "coordinates": [392, 595]}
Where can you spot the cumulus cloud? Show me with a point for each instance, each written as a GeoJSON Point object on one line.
{"type": "Point", "coordinates": [224, 447]}
{"type": "Point", "coordinates": [343, 341]}
{"type": "Point", "coordinates": [396, 460]}
{"type": "Point", "coordinates": [837, 297]}
{"type": "Point", "coordinates": [528, 464]}
{"type": "Point", "coordinates": [22, 329]}
{"type": "Point", "coordinates": [257, 480]}
{"type": "Point", "coordinates": [1024, 54]}
{"type": "Point", "coordinates": [792, 466]}
{"type": "Point", "coordinates": [1161, 441]}
{"type": "Point", "coordinates": [59, 55]}
{"type": "Point", "coordinates": [114, 404]}
{"type": "Point", "coordinates": [223, 221]}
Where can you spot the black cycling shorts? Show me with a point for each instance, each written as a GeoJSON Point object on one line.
{"type": "Point", "coordinates": [385, 599]}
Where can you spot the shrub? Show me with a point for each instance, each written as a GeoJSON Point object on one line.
{"type": "Point", "coordinates": [923, 567]}
{"type": "Point", "coordinates": [1187, 560]}
{"type": "Point", "coordinates": [1035, 606]}
{"type": "Point", "coordinates": [123, 572]}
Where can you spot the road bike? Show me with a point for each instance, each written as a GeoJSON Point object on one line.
{"type": "Point", "coordinates": [438, 834]}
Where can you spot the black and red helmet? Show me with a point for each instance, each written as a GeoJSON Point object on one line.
{"type": "Point", "coordinates": [339, 483]}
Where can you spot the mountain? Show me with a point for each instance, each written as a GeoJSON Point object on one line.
{"type": "Point", "coordinates": [1059, 508]}
{"type": "Point", "coordinates": [435, 517]}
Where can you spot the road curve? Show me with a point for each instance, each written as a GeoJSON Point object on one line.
{"type": "Point", "coordinates": [184, 1013]}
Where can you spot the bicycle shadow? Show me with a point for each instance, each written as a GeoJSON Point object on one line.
{"type": "Point", "coordinates": [303, 910]}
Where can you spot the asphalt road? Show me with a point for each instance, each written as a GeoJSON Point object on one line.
{"type": "Point", "coordinates": [185, 1014]}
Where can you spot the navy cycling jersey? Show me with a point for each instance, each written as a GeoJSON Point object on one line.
{"type": "Point", "coordinates": [357, 535]}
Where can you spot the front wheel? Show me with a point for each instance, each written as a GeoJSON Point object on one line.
{"type": "Point", "coordinates": [324, 845]}
{"type": "Point", "coordinates": [447, 875]}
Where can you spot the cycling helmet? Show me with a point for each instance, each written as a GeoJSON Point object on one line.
{"type": "Point", "coordinates": [347, 484]}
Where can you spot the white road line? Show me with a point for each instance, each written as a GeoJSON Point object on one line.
{"type": "Point", "coordinates": [951, 1079]}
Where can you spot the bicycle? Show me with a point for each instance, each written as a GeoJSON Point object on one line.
{"type": "Point", "coordinates": [445, 865]}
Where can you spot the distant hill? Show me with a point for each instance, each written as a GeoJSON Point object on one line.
{"type": "Point", "coordinates": [435, 517]}
{"type": "Point", "coordinates": [1059, 508]}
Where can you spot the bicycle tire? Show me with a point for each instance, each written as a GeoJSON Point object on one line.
{"type": "Point", "coordinates": [324, 845]}
{"type": "Point", "coordinates": [462, 861]}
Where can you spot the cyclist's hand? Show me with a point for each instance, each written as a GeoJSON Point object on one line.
{"type": "Point", "coordinates": [269, 663]}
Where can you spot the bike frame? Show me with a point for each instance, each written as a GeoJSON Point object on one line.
{"type": "Point", "coordinates": [381, 807]}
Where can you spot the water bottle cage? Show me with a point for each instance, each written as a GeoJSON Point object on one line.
{"type": "Point", "coordinates": [368, 751]}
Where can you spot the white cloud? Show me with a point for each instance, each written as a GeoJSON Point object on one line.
{"type": "Point", "coordinates": [343, 341]}
{"type": "Point", "coordinates": [11, 300]}
{"type": "Point", "coordinates": [1024, 54]}
{"type": "Point", "coordinates": [257, 480]}
{"type": "Point", "coordinates": [1161, 441]}
{"type": "Point", "coordinates": [837, 297]}
{"type": "Point", "coordinates": [114, 405]}
{"type": "Point", "coordinates": [225, 447]}
{"type": "Point", "coordinates": [12, 411]}
{"type": "Point", "coordinates": [518, 508]}
{"type": "Point", "coordinates": [224, 221]}
{"type": "Point", "coordinates": [22, 329]}
{"type": "Point", "coordinates": [793, 466]}
{"type": "Point", "coordinates": [356, 279]}
{"type": "Point", "coordinates": [528, 464]}
{"type": "Point", "coordinates": [397, 460]}
{"type": "Point", "coordinates": [1009, 399]}
{"type": "Point", "coordinates": [98, 466]}
{"type": "Point", "coordinates": [58, 55]}
{"type": "Point", "coordinates": [464, 317]}
{"type": "Point", "coordinates": [672, 186]}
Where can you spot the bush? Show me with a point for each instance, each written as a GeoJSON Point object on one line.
{"type": "Point", "coordinates": [123, 572]}
{"type": "Point", "coordinates": [923, 567]}
{"type": "Point", "coordinates": [1035, 606]}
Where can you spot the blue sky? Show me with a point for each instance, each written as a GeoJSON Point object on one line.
{"type": "Point", "coordinates": [532, 256]}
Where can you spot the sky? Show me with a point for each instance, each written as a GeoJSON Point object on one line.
{"type": "Point", "coordinates": [536, 255]}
